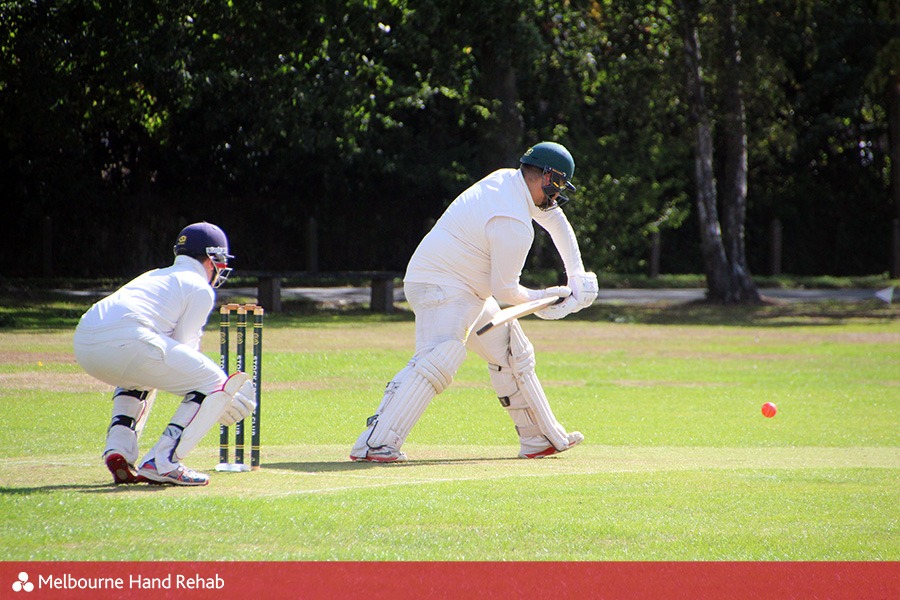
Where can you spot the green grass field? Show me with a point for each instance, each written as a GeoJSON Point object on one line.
{"type": "Point", "coordinates": [678, 463]}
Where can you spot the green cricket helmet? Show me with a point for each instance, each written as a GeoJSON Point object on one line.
{"type": "Point", "coordinates": [556, 161]}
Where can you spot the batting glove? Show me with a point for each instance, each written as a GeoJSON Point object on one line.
{"type": "Point", "coordinates": [560, 291]}
{"type": "Point", "coordinates": [584, 289]}
{"type": "Point", "coordinates": [560, 310]}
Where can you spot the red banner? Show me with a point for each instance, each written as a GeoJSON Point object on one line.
{"type": "Point", "coordinates": [425, 580]}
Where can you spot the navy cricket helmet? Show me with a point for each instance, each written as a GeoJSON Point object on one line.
{"type": "Point", "coordinates": [206, 239]}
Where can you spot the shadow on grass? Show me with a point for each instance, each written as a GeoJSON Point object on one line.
{"type": "Point", "coordinates": [302, 313]}
{"type": "Point", "coordinates": [50, 310]}
{"type": "Point", "coordinates": [771, 313]}
{"type": "Point", "coordinates": [348, 465]}
{"type": "Point", "coordinates": [86, 488]}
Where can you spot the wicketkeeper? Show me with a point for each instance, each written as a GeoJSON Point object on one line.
{"type": "Point", "coordinates": [470, 260]}
{"type": "Point", "coordinates": [146, 337]}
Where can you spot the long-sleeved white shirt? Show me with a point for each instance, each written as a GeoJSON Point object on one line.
{"type": "Point", "coordinates": [174, 302]}
{"type": "Point", "coordinates": [481, 241]}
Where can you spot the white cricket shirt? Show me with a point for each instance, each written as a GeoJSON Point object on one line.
{"type": "Point", "coordinates": [175, 302]}
{"type": "Point", "coordinates": [481, 241]}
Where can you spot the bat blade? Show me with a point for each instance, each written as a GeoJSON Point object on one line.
{"type": "Point", "coordinates": [516, 312]}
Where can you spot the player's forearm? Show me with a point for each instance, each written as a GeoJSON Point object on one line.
{"type": "Point", "coordinates": [510, 242]}
{"type": "Point", "coordinates": [516, 294]}
{"type": "Point", "coordinates": [563, 236]}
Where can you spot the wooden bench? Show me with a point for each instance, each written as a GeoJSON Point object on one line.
{"type": "Point", "coordinates": [268, 285]}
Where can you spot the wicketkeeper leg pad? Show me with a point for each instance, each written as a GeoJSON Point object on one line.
{"type": "Point", "coordinates": [129, 413]}
{"type": "Point", "coordinates": [211, 409]}
{"type": "Point", "coordinates": [428, 376]}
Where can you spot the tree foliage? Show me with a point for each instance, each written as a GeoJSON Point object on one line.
{"type": "Point", "coordinates": [123, 121]}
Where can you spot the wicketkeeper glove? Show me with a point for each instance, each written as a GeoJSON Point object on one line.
{"type": "Point", "coordinates": [242, 405]}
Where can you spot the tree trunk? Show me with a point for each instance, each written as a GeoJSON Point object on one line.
{"type": "Point", "coordinates": [501, 137]}
{"type": "Point", "coordinates": [734, 137]}
{"type": "Point", "coordinates": [893, 103]}
{"type": "Point", "coordinates": [728, 278]}
{"type": "Point", "coordinates": [715, 261]}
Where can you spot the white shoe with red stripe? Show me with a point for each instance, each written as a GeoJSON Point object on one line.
{"type": "Point", "coordinates": [575, 438]}
{"type": "Point", "coordinates": [384, 454]}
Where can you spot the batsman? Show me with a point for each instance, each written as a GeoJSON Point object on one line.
{"type": "Point", "coordinates": [463, 269]}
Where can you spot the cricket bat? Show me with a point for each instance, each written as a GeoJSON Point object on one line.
{"type": "Point", "coordinates": [518, 311]}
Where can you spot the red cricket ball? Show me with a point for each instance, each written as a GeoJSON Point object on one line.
{"type": "Point", "coordinates": [769, 410]}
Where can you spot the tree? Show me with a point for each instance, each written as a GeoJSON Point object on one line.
{"type": "Point", "coordinates": [125, 120]}
{"type": "Point", "coordinates": [884, 80]}
{"type": "Point", "coordinates": [724, 257]}
{"type": "Point", "coordinates": [608, 89]}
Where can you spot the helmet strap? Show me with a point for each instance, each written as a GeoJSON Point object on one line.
{"type": "Point", "coordinates": [221, 271]}
{"type": "Point", "coordinates": [218, 256]}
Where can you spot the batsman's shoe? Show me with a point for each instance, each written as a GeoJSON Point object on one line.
{"type": "Point", "coordinates": [384, 454]}
{"type": "Point", "coordinates": [575, 438]}
{"type": "Point", "coordinates": [122, 471]}
{"type": "Point", "coordinates": [180, 475]}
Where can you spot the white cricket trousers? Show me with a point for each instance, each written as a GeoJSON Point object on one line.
{"type": "Point", "coordinates": [138, 358]}
{"type": "Point", "coordinates": [444, 313]}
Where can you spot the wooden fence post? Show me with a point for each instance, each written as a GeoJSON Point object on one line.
{"type": "Point", "coordinates": [654, 254]}
{"type": "Point", "coordinates": [775, 245]}
{"type": "Point", "coordinates": [312, 246]}
{"type": "Point", "coordinates": [47, 239]}
{"type": "Point", "coordinates": [895, 251]}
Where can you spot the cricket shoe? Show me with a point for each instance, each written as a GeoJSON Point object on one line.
{"type": "Point", "coordinates": [575, 438]}
{"type": "Point", "coordinates": [384, 454]}
{"type": "Point", "coordinates": [122, 471]}
{"type": "Point", "coordinates": [180, 475]}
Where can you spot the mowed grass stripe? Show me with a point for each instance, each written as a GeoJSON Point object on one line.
{"type": "Point", "coordinates": [678, 464]}
{"type": "Point", "coordinates": [324, 469]}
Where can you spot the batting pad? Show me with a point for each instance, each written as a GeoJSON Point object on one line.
{"type": "Point", "coordinates": [208, 415]}
{"type": "Point", "coordinates": [430, 375]}
{"type": "Point", "coordinates": [529, 404]}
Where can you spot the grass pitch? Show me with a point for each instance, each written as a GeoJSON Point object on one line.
{"type": "Point", "coordinates": [678, 462]}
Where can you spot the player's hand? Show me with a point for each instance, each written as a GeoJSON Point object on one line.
{"type": "Point", "coordinates": [558, 310]}
{"type": "Point", "coordinates": [564, 293]}
{"type": "Point", "coordinates": [584, 289]}
{"type": "Point", "coordinates": [242, 405]}
{"type": "Point", "coordinates": [560, 291]}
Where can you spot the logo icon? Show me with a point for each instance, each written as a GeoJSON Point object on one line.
{"type": "Point", "coordinates": [22, 584]}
